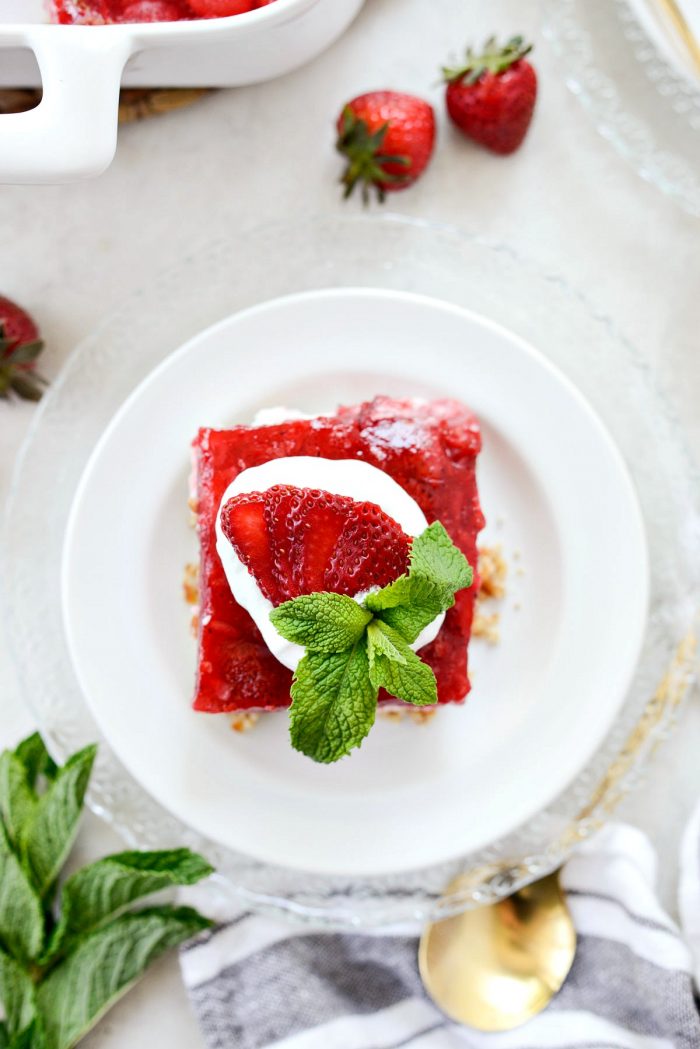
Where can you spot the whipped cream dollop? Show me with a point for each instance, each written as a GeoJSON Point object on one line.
{"type": "Point", "coordinates": [349, 477]}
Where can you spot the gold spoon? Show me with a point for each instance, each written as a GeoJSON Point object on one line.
{"type": "Point", "coordinates": [495, 967]}
{"type": "Point", "coordinates": [680, 28]}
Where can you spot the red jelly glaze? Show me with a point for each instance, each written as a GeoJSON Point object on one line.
{"type": "Point", "coordinates": [430, 449]}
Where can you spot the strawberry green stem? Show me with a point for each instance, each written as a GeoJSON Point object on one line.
{"type": "Point", "coordinates": [493, 59]}
{"type": "Point", "coordinates": [16, 372]}
{"type": "Point", "coordinates": [363, 150]}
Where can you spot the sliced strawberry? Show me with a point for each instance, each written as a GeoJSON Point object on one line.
{"type": "Point", "coordinates": [365, 554]}
{"type": "Point", "coordinates": [279, 505]}
{"type": "Point", "coordinates": [301, 541]}
{"type": "Point", "coordinates": [244, 518]}
{"type": "Point", "coordinates": [316, 529]}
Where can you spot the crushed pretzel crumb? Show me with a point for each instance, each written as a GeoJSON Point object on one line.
{"type": "Point", "coordinates": [418, 715]}
{"type": "Point", "coordinates": [422, 715]}
{"type": "Point", "coordinates": [492, 571]}
{"type": "Point", "coordinates": [486, 627]}
{"type": "Point", "coordinates": [190, 584]}
{"type": "Point", "coordinates": [391, 714]}
{"type": "Point", "coordinates": [244, 720]}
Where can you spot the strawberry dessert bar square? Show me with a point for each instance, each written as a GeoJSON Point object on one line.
{"type": "Point", "coordinates": [428, 448]}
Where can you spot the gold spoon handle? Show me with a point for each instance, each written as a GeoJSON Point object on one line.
{"type": "Point", "coordinates": [674, 15]}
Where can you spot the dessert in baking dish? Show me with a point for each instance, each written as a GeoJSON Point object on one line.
{"type": "Point", "coordinates": [346, 505]}
{"type": "Point", "coordinates": [101, 12]}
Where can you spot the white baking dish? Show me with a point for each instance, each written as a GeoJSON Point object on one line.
{"type": "Point", "coordinates": [72, 134]}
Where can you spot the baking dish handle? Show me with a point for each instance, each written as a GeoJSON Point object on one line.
{"type": "Point", "coordinates": [72, 133]}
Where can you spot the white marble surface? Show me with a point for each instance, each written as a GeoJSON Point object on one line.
{"type": "Point", "coordinates": [566, 200]}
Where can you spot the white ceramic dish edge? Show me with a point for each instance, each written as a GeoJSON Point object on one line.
{"type": "Point", "coordinates": [49, 144]}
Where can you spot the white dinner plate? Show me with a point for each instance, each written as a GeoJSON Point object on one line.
{"type": "Point", "coordinates": [557, 497]}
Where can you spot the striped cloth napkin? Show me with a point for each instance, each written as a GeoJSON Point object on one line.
{"type": "Point", "coordinates": [258, 982]}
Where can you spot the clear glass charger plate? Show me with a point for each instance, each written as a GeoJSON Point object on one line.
{"type": "Point", "coordinates": [396, 253]}
{"type": "Point", "coordinates": [648, 110]}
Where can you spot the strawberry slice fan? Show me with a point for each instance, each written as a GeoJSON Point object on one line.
{"type": "Point", "coordinates": [298, 541]}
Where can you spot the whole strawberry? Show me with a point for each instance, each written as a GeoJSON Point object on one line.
{"type": "Point", "coordinates": [388, 139]}
{"type": "Point", "coordinates": [20, 346]}
{"type": "Point", "coordinates": [491, 98]}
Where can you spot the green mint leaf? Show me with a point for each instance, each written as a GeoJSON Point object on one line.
{"type": "Point", "coordinates": [390, 596]}
{"type": "Point", "coordinates": [321, 622]}
{"type": "Point", "coordinates": [410, 604]}
{"type": "Point", "coordinates": [36, 759]}
{"type": "Point", "coordinates": [433, 554]}
{"type": "Point", "coordinates": [16, 996]}
{"type": "Point", "coordinates": [410, 622]}
{"type": "Point", "coordinates": [97, 893]}
{"type": "Point", "coordinates": [21, 915]}
{"type": "Point", "coordinates": [77, 993]}
{"type": "Point", "coordinates": [17, 799]}
{"type": "Point", "coordinates": [49, 835]}
{"type": "Point", "coordinates": [30, 1038]}
{"type": "Point", "coordinates": [438, 569]}
{"type": "Point", "coordinates": [411, 681]}
{"type": "Point", "coordinates": [380, 644]}
{"type": "Point", "coordinates": [333, 703]}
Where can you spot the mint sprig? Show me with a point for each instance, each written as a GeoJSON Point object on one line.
{"type": "Point", "coordinates": [67, 954]}
{"type": "Point", "coordinates": [334, 702]}
{"type": "Point", "coordinates": [353, 650]}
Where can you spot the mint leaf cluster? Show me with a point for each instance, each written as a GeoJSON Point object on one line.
{"type": "Point", "coordinates": [353, 650]}
{"type": "Point", "coordinates": [69, 950]}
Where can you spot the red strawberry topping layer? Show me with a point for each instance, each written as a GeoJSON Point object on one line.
{"type": "Point", "coordinates": [99, 12]}
{"type": "Point", "coordinates": [429, 448]}
{"type": "Point", "coordinates": [302, 541]}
